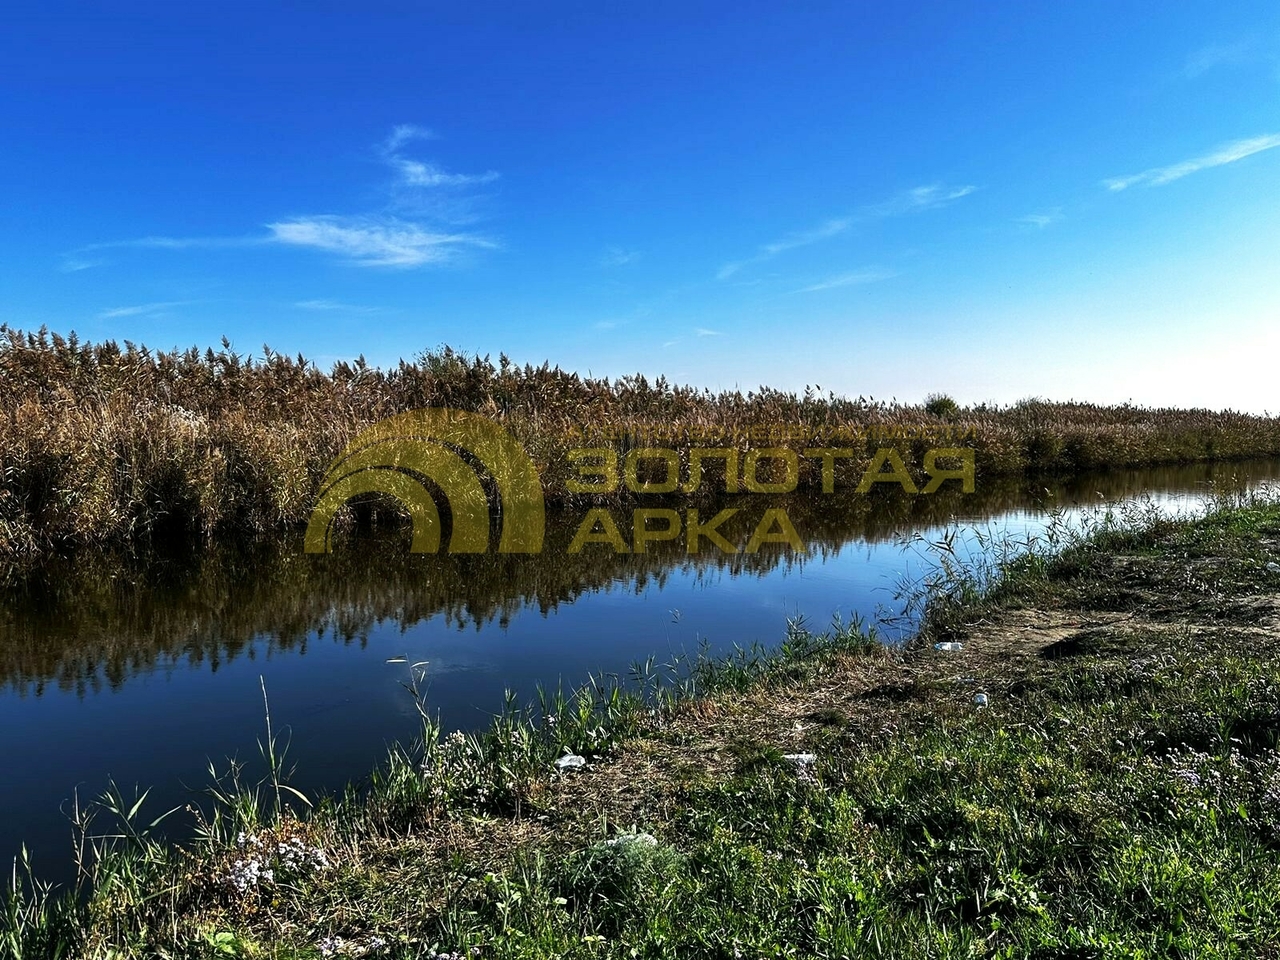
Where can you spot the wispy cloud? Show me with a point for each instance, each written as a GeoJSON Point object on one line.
{"type": "Point", "coordinates": [832, 228]}
{"type": "Point", "coordinates": [618, 257]}
{"type": "Point", "coordinates": [373, 242]}
{"type": "Point", "coordinates": [1217, 55]}
{"type": "Point", "coordinates": [382, 239]}
{"type": "Point", "coordinates": [405, 133]}
{"type": "Point", "coordinates": [73, 264]}
{"type": "Point", "coordinates": [180, 243]}
{"type": "Point", "coordinates": [143, 309]}
{"type": "Point", "coordinates": [1226, 153]}
{"type": "Point", "coordinates": [915, 200]}
{"type": "Point", "coordinates": [419, 173]}
{"type": "Point", "coordinates": [1041, 220]}
{"type": "Point", "coordinates": [926, 197]}
{"type": "Point", "coordinates": [706, 332]}
{"type": "Point", "coordinates": [77, 260]}
{"type": "Point", "coordinates": [333, 305]}
{"type": "Point", "coordinates": [415, 173]}
{"type": "Point", "coordinates": [851, 279]}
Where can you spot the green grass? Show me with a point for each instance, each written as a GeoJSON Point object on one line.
{"type": "Point", "coordinates": [1119, 796]}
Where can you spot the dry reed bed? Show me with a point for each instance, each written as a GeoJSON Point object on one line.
{"type": "Point", "coordinates": [103, 445]}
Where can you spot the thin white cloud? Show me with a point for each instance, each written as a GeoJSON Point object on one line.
{"type": "Point", "coordinates": [1217, 55]}
{"type": "Point", "coordinates": [332, 305]}
{"type": "Point", "coordinates": [405, 133]}
{"type": "Point", "coordinates": [920, 198]}
{"type": "Point", "coordinates": [372, 240]}
{"type": "Point", "coordinates": [1224, 154]}
{"type": "Point", "coordinates": [142, 310]}
{"type": "Point", "coordinates": [851, 279]}
{"type": "Point", "coordinates": [373, 243]}
{"type": "Point", "coordinates": [76, 260]}
{"type": "Point", "coordinates": [179, 243]}
{"type": "Point", "coordinates": [618, 257]}
{"type": "Point", "coordinates": [832, 228]}
{"type": "Point", "coordinates": [414, 173]}
{"type": "Point", "coordinates": [1041, 220]}
{"type": "Point", "coordinates": [74, 264]}
{"type": "Point", "coordinates": [914, 200]}
{"type": "Point", "coordinates": [418, 173]}
{"type": "Point", "coordinates": [706, 332]}
{"type": "Point", "coordinates": [366, 241]}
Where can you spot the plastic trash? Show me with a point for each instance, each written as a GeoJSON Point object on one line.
{"type": "Point", "coordinates": [570, 761]}
{"type": "Point", "coordinates": [980, 699]}
{"type": "Point", "coordinates": [949, 646]}
{"type": "Point", "coordinates": [801, 759]}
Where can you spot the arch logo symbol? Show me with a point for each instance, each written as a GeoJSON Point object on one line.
{"type": "Point", "coordinates": [454, 451]}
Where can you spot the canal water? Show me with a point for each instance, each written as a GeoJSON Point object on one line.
{"type": "Point", "coordinates": [144, 676]}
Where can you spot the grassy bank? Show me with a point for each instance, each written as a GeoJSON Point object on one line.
{"type": "Point", "coordinates": [122, 446]}
{"type": "Point", "coordinates": [1116, 794]}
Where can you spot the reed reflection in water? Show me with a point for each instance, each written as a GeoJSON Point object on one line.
{"type": "Point", "coordinates": [143, 673]}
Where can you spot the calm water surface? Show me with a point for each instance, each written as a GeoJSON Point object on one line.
{"type": "Point", "coordinates": [143, 677]}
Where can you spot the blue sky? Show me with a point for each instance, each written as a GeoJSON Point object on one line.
{"type": "Point", "coordinates": [995, 200]}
